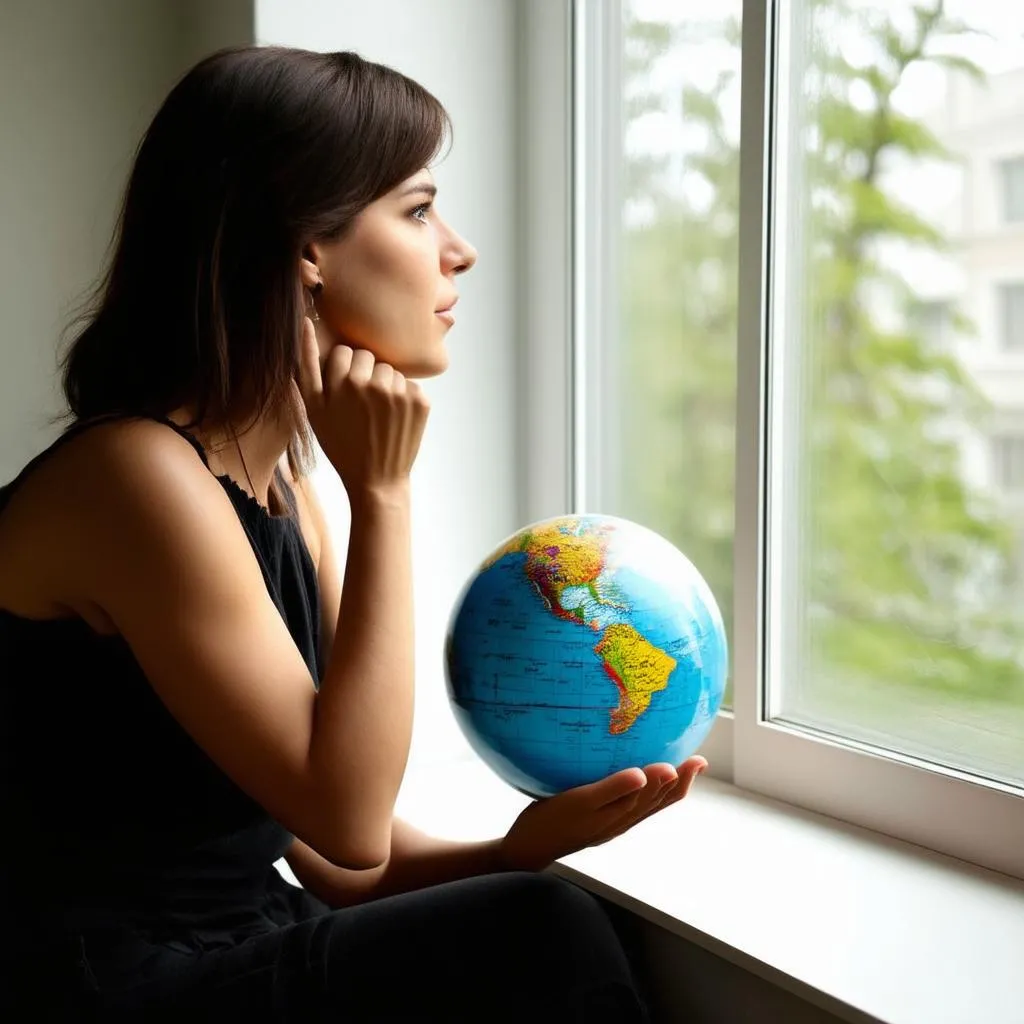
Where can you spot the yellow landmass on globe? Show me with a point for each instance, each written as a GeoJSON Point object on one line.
{"type": "Point", "coordinates": [577, 558]}
{"type": "Point", "coordinates": [560, 555]}
{"type": "Point", "coordinates": [638, 669]}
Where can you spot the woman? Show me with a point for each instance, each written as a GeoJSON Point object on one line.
{"type": "Point", "coordinates": [189, 694]}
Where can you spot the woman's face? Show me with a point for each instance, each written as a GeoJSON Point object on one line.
{"type": "Point", "coordinates": [388, 280]}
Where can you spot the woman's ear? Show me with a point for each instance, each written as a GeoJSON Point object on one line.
{"type": "Point", "coordinates": [309, 271]}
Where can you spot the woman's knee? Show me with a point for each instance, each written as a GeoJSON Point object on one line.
{"type": "Point", "coordinates": [545, 897]}
{"type": "Point", "coordinates": [573, 952]}
{"type": "Point", "coordinates": [558, 917]}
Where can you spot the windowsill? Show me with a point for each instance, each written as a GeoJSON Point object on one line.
{"type": "Point", "coordinates": [867, 927]}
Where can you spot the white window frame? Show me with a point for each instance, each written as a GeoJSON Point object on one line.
{"type": "Point", "coordinates": [570, 51]}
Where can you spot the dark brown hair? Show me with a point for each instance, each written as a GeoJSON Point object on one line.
{"type": "Point", "coordinates": [256, 152]}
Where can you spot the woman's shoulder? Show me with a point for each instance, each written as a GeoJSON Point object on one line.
{"type": "Point", "coordinates": [109, 445]}
{"type": "Point", "coordinates": [104, 465]}
{"type": "Point", "coordinates": [129, 445]}
{"type": "Point", "coordinates": [94, 480]}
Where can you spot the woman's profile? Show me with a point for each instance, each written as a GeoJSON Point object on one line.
{"type": "Point", "coordinates": [189, 690]}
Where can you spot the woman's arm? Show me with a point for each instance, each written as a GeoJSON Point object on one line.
{"type": "Point", "coordinates": [146, 533]}
{"type": "Point", "coordinates": [417, 861]}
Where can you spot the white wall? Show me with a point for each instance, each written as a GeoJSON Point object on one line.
{"type": "Point", "coordinates": [209, 25]}
{"type": "Point", "coordinates": [464, 488]}
{"type": "Point", "coordinates": [78, 84]}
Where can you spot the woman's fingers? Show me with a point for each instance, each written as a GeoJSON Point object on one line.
{"type": "Point", "coordinates": [634, 805]}
{"type": "Point", "coordinates": [336, 369]}
{"type": "Point", "coordinates": [659, 777]}
{"type": "Point", "coordinates": [623, 785]}
{"type": "Point", "coordinates": [310, 380]}
{"type": "Point", "coordinates": [688, 772]}
{"type": "Point", "coordinates": [362, 367]}
{"type": "Point", "coordinates": [672, 789]}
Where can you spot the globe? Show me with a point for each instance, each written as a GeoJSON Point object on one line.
{"type": "Point", "coordinates": [583, 645]}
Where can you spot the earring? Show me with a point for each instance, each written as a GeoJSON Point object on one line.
{"type": "Point", "coordinates": [311, 311]}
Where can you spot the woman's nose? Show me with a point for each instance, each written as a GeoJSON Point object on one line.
{"type": "Point", "coordinates": [461, 255]}
{"type": "Point", "coordinates": [468, 258]}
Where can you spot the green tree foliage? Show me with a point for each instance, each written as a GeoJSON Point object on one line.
{"type": "Point", "coordinates": [679, 314]}
{"type": "Point", "coordinates": [901, 559]}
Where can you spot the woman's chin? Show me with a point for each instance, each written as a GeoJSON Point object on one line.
{"type": "Point", "coordinates": [431, 363]}
{"type": "Point", "coordinates": [422, 369]}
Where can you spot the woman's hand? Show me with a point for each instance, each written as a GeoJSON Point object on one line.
{"type": "Point", "coordinates": [368, 418]}
{"type": "Point", "coordinates": [590, 815]}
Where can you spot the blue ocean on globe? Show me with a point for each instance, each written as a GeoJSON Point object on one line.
{"type": "Point", "coordinates": [584, 645]}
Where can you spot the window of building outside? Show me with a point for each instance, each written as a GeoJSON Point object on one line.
{"type": "Point", "coordinates": [1012, 172]}
{"type": "Point", "coordinates": [885, 627]}
{"type": "Point", "coordinates": [1008, 462]}
{"type": "Point", "coordinates": [1011, 304]}
{"type": "Point", "coordinates": [931, 317]}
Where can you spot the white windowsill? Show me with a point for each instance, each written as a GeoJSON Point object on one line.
{"type": "Point", "coordinates": [864, 926]}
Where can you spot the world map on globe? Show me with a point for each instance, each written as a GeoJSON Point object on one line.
{"type": "Point", "coordinates": [584, 644]}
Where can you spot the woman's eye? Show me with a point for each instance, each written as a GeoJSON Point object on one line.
{"type": "Point", "coordinates": [421, 211]}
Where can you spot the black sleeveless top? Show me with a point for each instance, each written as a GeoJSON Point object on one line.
{"type": "Point", "coordinates": [114, 818]}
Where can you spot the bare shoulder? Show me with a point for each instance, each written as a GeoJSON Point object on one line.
{"type": "Point", "coordinates": [83, 492]}
{"type": "Point", "coordinates": [123, 458]}
{"type": "Point", "coordinates": [134, 459]}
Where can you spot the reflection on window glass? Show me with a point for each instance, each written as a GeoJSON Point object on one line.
{"type": "Point", "coordinates": [677, 250]}
{"type": "Point", "coordinates": [901, 619]}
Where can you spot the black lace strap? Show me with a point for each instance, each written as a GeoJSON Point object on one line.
{"type": "Point", "coordinates": [182, 432]}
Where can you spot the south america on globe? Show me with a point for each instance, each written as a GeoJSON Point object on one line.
{"type": "Point", "coordinates": [583, 645]}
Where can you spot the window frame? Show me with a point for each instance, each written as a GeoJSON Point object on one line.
{"type": "Point", "coordinates": [946, 810]}
{"type": "Point", "coordinates": [565, 78]}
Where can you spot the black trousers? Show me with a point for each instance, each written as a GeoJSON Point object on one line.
{"type": "Point", "coordinates": [528, 948]}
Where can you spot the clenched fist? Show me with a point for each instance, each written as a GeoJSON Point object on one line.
{"type": "Point", "coordinates": [367, 417]}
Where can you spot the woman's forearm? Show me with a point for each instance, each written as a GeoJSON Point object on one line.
{"type": "Point", "coordinates": [416, 862]}
{"type": "Point", "coordinates": [364, 711]}
{"type": "Point", "coordinates": [419, 860]}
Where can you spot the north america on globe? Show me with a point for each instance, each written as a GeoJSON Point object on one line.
{"type": "Point", "coordinates": [568, 568]}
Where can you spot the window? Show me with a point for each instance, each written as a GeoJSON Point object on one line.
{"type": "Point", "coordinates": [1008, 462]}
{"type": "Point", "coordinates": [1012, 174]}
{"type": "Point", "coordinates": [757, 373]}
{"type": "Point", "coordinates": [659, 359]}
{"type": "Point", "coordinates": [881, 629]}
{"type": "Point", "coordinates": [933, 320]}
{"type": "Point", "coordinates": [1011, 310]}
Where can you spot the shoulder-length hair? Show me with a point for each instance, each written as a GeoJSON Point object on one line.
{"type": "Point", "coordinates": [256, 152]}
